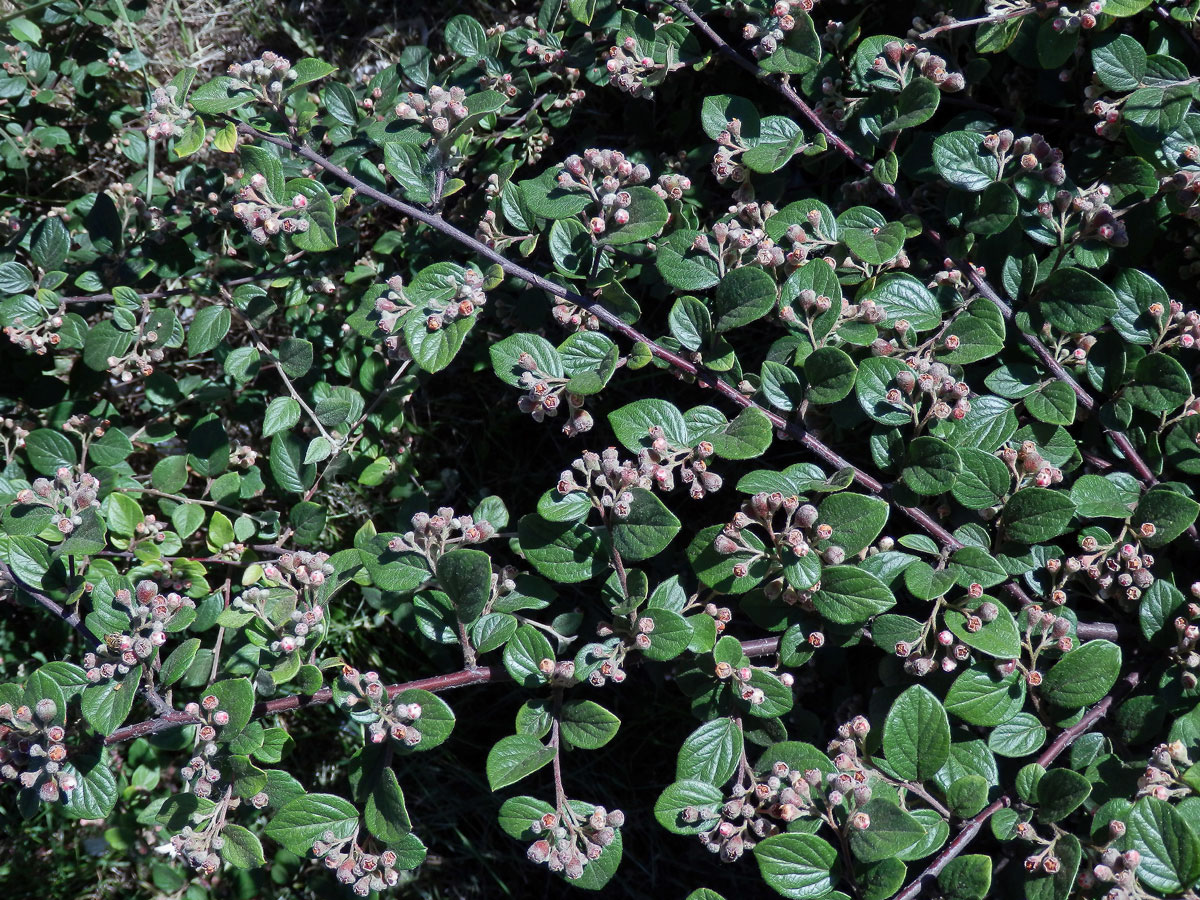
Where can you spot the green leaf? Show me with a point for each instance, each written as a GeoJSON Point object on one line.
{"type": "Point", "coordinates": [1169, 512]}
{"type": "Point", "coordinates": [798, 866]}
{"type": "Point", "coordinates": [960, 159]}
{"type": "Point", "coordinates": [892, 831]}
{"type": "Point", "coordinates": [563, 551]}
{"type": "Point", "coordinates": [587, 725]}
{"type": "Point", "coordinates": [1160, 384]}
{"type": "Point", "coordinates": [1170, 850]}
{"type": "Point", "coordinates": [1060, 792]}
{"type": "Point", "coordinates": [384, 813]}
{"type": "Point", "coordinates": [514, 757]}
{"type": "Point", "coordinates": [221, 95]}
{"type": "Point", "coordinates": [999, 638]}
{"type": "Point", "coordinates": [236, 697]}
{"type": "Point", "coordinates": [981, 696]}
{"type": "Point", "coordinates": [466, 577]}
{"type": "Point", "coordinates": [1054, 403]}
{"type": "Point", "coordinates": [1020, 736]}
{"type": "Point", "coordinates": [1083, 676]}
{"type": "Point", "coordinates": [466, 37]}
{"type": "Point", "coordinates": [830, 373]}
{"type": "Point", "coordinates": [287, 463]}
{"type": "Point", "coordinates": [856, 520]}
{"type": "Point", "coordinates": [281, 414]}
{"type": "Point", "coordinates": [50, 451]}
{"type": "Point", "coordinates": [301, 821]}
{"type": "Point", "coordinates": [967, 795]}
{"type": "Point", "coordinates": [743, 296]}
{"type": "Point", "coordinates": [966, 877]}
{"type": "Point", "coordinates": [631, 423]}
{"type": "Point", "coordinates": [711, 753]}
{"type": "Point", "coordinates": [180, 660]}
{"type": "Point", "coordinates": [523, 655]}
{"type": "Point", "coordinates": [242, 848]}
{"type": "Point", "coordinates": [1034, 515]}
{"type": "Point", "coordinates": [208, 329]}
{"type": "Point", "coordinates": [798, 52]}
{"type": "Point", "coordinates": [901, 296]}
{"type": "Point", "coordinates": [506, 355]}
{"type": "Point", "coordinates": [914, 105]}
{"type": "Point", "coordinates": [680, 795]}
{"type": "Point", "coordinates": [646, 530]}
{"type": "Point", "coordinates": [746, 437]}
{"type": "Point", "coordinates": [647, 216]}
{"type": "Point", "coordinates": [1076, 302]}
{"type": "Point", "coordinates": [1120, 62]}
{"type": "Point", "coordinates": [850, 596]}
{"type": "Point", "coordinates": [916, 735]}
{"type": "Point", "coordinates": [931, 466]}
{"type": "Point", "coordinates": [106, 706]}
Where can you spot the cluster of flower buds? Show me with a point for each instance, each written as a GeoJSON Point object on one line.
{"type": "Point", "coordinates": [1088, 210]}
{"type": "Point", "coordinates": [439, 108]}
{"type": "Point", "coordinates": [721, 615]}
{"type": "Point", "coordinates": [604, 174]}
{"type": "Point", "coordinates": [1033, 154]}
{"type": "Point", "coordinates": [797, 533]}
{"type": "Point", "coordinates": [606, 479]}
{"type": "Point", "coordinates": [743, 241]}
{"type": "Point", "coordinates": [1028, 465]}
{"type": "Point", "coordinates": [568, 315]}
{"type": "Point", "coordinates": [351, 865]}
{"type": "Point", "coordinates": [742, 678]}
{"type": "Point", "coordinates": [1161, 779]}
{"type": "Point", "coordinates": [1117, 868]}
{"type": "Point", "coordinates": [1186, 650]}
{"type": "Point", "coordinates": [68, 496]}
{"type": "Point", "coordinates": [432, 536]}
{"type": "Point", "coordinates": [303, 624]}
{"type": "Point", "coordinates": [270, 73]}
{"type": "Point", "coordinates": [1183, 190]}
{"type": "Point", "coordinates": [544, 51]}
{"type": "Point", "coordinates": [166, 117]}
{"type": "Point", "coordinates": [631, 68]}
{"type": "Point", "coordinates": [1177, 327]}
{"type": "Point", "coordinates": [391, 718]}
{"type": "Point", "coordinates": [150, 616]}
{"type": "Point", "coordinates": [202, 771]}
{"type": "Point", "coordinates": [544, 395]}
{"type": "Point", "coordinates": [1068, 21]}
{"type": "Point", "coordinates": [32, 752]}
{"type": "Point", "coordinates": [12, 435]}
{"type": "Point", "coordinates": [1050, 631]}
{"type": "Point", "coordinates": [763, 807]}
{"type": "Point", "coordinates": [37, 338]}
{"type": "Point", "coordinates": [660, 460]}
{"type": "Point", "coordinates": [605, 660]}
{"type": "Point", "coordinates": [901, 61]}
{"type": "Point", "coordinates": [945, 651]}
{"type": "Point", "coordinates": [265, 217]}
{"type": "Point", "coordinates": [567, 843]}
{"type": "Point", "coordinates": [770, 32]}
{"type": "Point", "coordinates": [928, 380]}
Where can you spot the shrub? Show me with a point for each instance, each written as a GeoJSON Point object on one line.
{"type": "Point", "coordinates": [818, 381]}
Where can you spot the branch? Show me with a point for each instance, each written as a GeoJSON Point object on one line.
{"type": "Point", "coordinates": [478, 675]}
{"type": "Point", "coordinates": [975, 823]}
{"type": "Point", "coordinates": [49, 604]}
{"type": "Point", "coordinates": [993, 19]}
